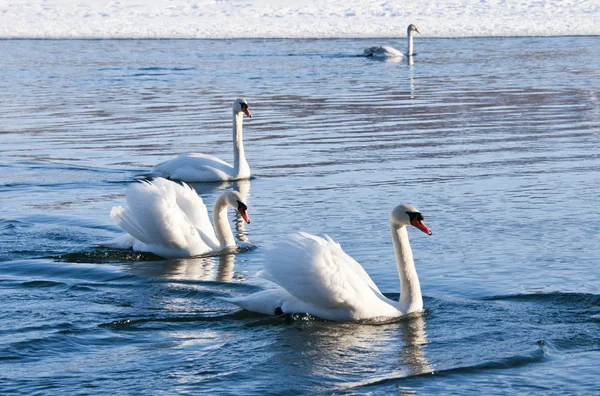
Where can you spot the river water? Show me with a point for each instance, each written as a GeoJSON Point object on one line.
{"type": "Point", "coordinates": [495, 140]}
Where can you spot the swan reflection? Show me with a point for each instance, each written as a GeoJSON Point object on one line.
{"type": "Point", "coordinates": [414, 338]}
{"type": "Point", "coordinates": [363, 353]}
{"type": "Point", "coordinates": [411, 76]}
{"type": "Point", "coordinates": [225, 270]}
{"type": "Point", "coordinates": [216, 268]}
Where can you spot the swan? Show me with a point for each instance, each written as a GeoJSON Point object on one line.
{"type": "Point", "coordinates": [389, 52]}
{"type": "Point", "coordinates": [194, 167]}
{"type": "Point", "coordinates": [171, 221]}
{"type": "Point", "coordinates": [314, 275]}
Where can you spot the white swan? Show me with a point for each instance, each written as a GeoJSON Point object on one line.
{"type": "Point", "coordinates": [170, 220]}
{"type": "Point", "coordinates": [389, 52]}
{"type": "Point", "coordinates": [314, 275]}
{"type": "Point", "coordinates": [196, 167]}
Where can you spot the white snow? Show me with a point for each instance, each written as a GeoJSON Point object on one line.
{"type": "Point", "coordinates": [294, 18]}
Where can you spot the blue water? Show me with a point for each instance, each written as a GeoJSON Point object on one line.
{"type": "Point", "coordinates": [495, 140]}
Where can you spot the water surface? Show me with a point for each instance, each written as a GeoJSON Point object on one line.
{"type": "Point", "coordinates": [494, 140]}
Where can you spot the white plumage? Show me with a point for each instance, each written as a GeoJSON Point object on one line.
{"type": "Point", "coordinates": [196, 167]}
{"type": "Point", "coordinates": [171, 220]}
{"type": "Point", "coordinates": [314, 275]}
{"type": "Point", "coordinates": [390, 52]}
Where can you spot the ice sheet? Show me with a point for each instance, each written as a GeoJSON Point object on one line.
{"type": "Point", "coordinates": [299, 19]}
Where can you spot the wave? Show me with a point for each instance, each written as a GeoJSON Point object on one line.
{"type": "Point", "coordinates": [538, 355]}
{"type": "Point", "coordinates": [48, 272]}
{"type": "Point", "coordinates": [555, 298]}
{"type": "Point", "coordinates": [98, 256]}
{"type": "Point", "coordinates": [7, 224]}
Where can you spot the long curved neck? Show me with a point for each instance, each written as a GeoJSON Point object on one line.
{"type": "Point", "coordinates": [410, 288]}
{"type": "Point", "coordinates": [222, 227]}
{"type": "Point", "coordinates": [410, 43]}
{"type": "Point", "coordinates": [239, 162]}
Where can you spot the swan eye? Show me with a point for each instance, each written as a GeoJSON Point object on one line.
{"type": "Point", "coordinates": [242, 207]}
{"type": "Point", "coordinates": [415, 216]}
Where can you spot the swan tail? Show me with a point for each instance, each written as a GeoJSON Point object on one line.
{"type": "Point", "coordinates": [265, 302]}
{"type": "Point", "coordinates": [122, 217]}
{"type": "Point", "coordinates": [125, 241]}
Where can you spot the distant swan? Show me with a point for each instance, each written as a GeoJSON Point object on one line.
{"type": "Point", "coordinates": [314, 275]}
{"type": "Point", "coordinates": [196, 167]}
{"type": "Point", "coordinates": [170, 220]}
{"type": "Point", "coordinates": [388, 52]}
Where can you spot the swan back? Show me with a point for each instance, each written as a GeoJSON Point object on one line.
{"type": "Point", "coordinates": [319, 274]}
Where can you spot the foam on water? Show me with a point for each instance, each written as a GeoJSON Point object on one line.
{"type": "Point", "coordinates": [306, 19]}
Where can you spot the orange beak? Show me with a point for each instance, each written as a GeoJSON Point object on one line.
{"type": "Point", "coordinates": [244, 215]}
{"type": "Point", "coordinates": [246, 111]}
{"type": "Point", "coordinates": [421, 226]}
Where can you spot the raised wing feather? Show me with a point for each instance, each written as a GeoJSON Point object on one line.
{"type": "Point", "coordinates": [153, 217]}
{"type": "Point", "coordinates": [193, 207]}
{"type": "Point", "coordinates": [338, 254]}
{"type": "Point", "coordinates": [318, 272]}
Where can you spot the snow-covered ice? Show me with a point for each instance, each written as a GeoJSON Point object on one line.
{"type": "Point", "coordinates": [299, 19]}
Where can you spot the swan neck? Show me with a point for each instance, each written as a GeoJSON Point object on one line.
{"type": "Point", "coordinates": [239, 162]}
{"type": "Point", "coordinates": [411, 299]}
{"type": "Point", "coordinates": [222, 227]}
{"type": "Point", "coordinates": [410, 43]}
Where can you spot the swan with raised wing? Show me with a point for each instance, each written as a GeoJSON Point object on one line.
{"type": "Point", "coordinates": [390, 52]}
{"type": "Point", "coordinates": [314, 275]}
{"type": "Point", "coordinates": [194, 167]}
{"type": "Point", "coordinates": [170, 220]}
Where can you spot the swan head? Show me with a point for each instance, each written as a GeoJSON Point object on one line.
{"type": "Point", "coordinates": [241, 105]}
{"type": "Point", "coordinates": [412, 28]}
{"type": "Point", "coordinates": [407, 215]}
{"type": "Point", "coordinates": [237, 202]}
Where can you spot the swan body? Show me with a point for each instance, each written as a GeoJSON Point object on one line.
{"type": "Point", "coordinates": [314, 275]}
{"type": "Point", "coordinates": [195, 167]}
{"type": "Point", "coordinates": [171, 220]}
{"type": "Point", "coordinates": [390, 52]}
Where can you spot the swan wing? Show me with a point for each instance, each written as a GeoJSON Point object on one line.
{"type": "Point", "coordinates": [339, 254]}
{"type": "Point", "coordinates": [318, 272]}
{"type": "Point", "coordinates": [195, 167]}
{"type": "Point", "coordinates": [192, 205]}
{"type": "Point", "coordinates": [383, 51]}
{"type": "Point", "coordinates": [153, 217]}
